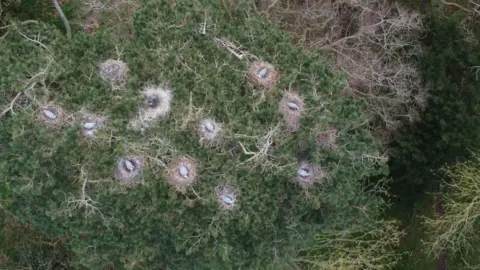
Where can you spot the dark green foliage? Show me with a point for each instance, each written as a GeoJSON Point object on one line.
{"type": "Point", "coordinates": [151, 226]}
{"type": "Point", "coordinates": [43, 10]}
{"type": "Point", "coordinates": [450, 126]}
{"type": "Point", "coordinates": [23, 248]}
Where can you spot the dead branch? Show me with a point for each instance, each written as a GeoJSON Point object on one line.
{"type": "Point", "coordinates": [371, 40]}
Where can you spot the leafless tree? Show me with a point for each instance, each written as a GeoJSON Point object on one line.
{"type": "Point", "coordinates": [373, 42]}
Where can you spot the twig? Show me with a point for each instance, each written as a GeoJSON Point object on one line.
{"type": "Point", "coordinates": [230, 47]}
{"type": "Point", "coordinates": [34, 41]}
{"type": "Point", "coordinates": [10, 107]}
{"type": "Point", "coordinates": [227, 9]}
{"type": "Point", "coordinates": [456, 5]}
{"type": "Point", "coordinates": [64, 19]}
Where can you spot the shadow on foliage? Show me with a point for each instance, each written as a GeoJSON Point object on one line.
{"type": "Point", "coordinates": [450, 125]}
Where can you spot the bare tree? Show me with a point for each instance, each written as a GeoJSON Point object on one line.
{"type": "Point", "coordinates": [372, 42]}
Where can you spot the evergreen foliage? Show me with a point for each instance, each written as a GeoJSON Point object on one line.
{"type": "Point", "coordinates": [450, 127]}
{"type": "Point", "coordinates": [62, 184]}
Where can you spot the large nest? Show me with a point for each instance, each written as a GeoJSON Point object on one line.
{"type": "Point", "coordinates": [90, 124]}
{"type": "Point", "coordinates": [182, 172]}
{"type": "Point", "coordinates": [211, 132]}
{"type": "Point", "coordinates": [328, 139]}
{"type": "Point", "coordinates": [226, 196]}
{"type": "Point", "coordinates": [129, 169]}
{"type": "Point", "coordinates": [308, 174]}
{"type": "Point", "coordinates": [262, 74]}
{"type": "Point", "coordinates": [115, 72]}
{"type": "Point", "coordinates": [157, 102]}
{"type": "Point", "coordinates": [52, 115]}
{"type": "Point", "coordinates": [291, 107]}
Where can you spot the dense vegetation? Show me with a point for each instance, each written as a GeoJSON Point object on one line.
{"type": "Point", "coordinates": [61, 185]}
{"type": "Point", "coordinates": [294, 176]}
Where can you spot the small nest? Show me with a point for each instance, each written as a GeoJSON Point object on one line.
{"type": "Point", "coordinates": [307, 175]}
{"type": "Point", "coordinates": [226, 196]}
{"type": "Point", "coordinates": [262, 74]}
{"type": "Point", "coordinates": [157, 103]}
{"type": "Point", "coordinates": [52, 115]}
{"type": "Point", "coordinates": [291, 107]}
{"type": "Point", "coordinates": [114, 71]}
{"type": "Point", "coordinates": [211, 132]}
{"type": "Point", "coordinates": [129, 169]}
{"type": "Point", "coordinates": [328, 139]}
{"type": "Point", "coordinates": [182, 172]}
{"type": "Point", "coordinates": [90, 124]}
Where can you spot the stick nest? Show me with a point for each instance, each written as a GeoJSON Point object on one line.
{"type": "Point", "coordinates": [182, 172]}
{"type": "Point", "coordinates": [129, 169]}
{"type": "Point", "coordinates": [90, 124]}
{"type": "Point", "coordinates": [262, 74]}
{"type": "Point", "coordinates": [226, 196]}
{"type": "Point", "coordinates": [328, 139]}
{"type": "Point", "coordinates": [211, 132]}
{"type": "Point", "coordinates": [115, 72]}
{"type": "Point", "coordinates": [307, 175]}
{"type": "Point", "coordinates": [291, 107]}
{"type": "Point", "coordinates": [157, 102]}
{"type": "Point", "coordinates": [52, 115]}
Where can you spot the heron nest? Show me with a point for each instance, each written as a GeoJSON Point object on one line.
{"type": "Point", "coordinates": [307, 175]}
{"type": "Point", "coordinates": [291, 107]}
{"type": "Point", "coordinates": [52, 115]}
{"type": "Point", "coordinates": [211, 132]}
{"type": "Point", "coordinates": [182, 172]}
{"type": "Point", "coordinates": [157, 102]}
{"type": "Point", "coordinates": [262, 74]}
{"type": "Point", "coordinates": [328, 139]}
{"type": "Point", "coordinates": [226, 196]}
{"type": "Point", "coordinates": [129, 169]}
{"type": "Point", "coordinates": [115, 72]}
{"type": "Point", "coordinates": [90, 124]}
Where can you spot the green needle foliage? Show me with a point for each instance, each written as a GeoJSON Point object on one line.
{"type": "Point", "coordinates": [62, 184]}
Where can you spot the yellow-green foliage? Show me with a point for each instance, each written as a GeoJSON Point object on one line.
{"type": "Point", "coordinates": [456, 230]}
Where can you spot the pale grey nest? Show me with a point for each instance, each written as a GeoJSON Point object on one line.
{"type": "Point", "coordinates": [52, 115]}
{"type": "Point", "coordinates": [182, 172]}
{"type": "Point", "coordinates": [291, 107]}
{"type": "Point", "coordinates": [157, 103]}
{"type": "Point", "coordinates": [226, 196]}
{"type": "Point", "coordinates": [262, 74]}
{"type": "Point", "coordinates": [91, 124]}
{"type": "Point", "coordinates": [308, 174]}
{"type": "Point", "coordinates": [211, 132]}
{"type": "Point", "coordinates": [114, 71]}
{"type": "Point", "coordinates": [128, 169]}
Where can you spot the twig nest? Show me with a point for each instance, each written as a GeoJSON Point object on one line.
{"type": "Point", "coordinates": [262, 74]}
{"type": "Point", "coordinates": [128, 169]}
{"type": "Point", "coordinates": [114, 71]}
{"type": "Point", "coordinates": [291, 107]}
{"type": "Point", "coordinates": [52, 115]}
{"type": "Point", "coordinates": [90, 125]}
{"type": "Point", "coordinates": [182, 172]}
{"type": "Point", "coordinates": [157, 102]}
{"type": "Point", "coordinates": [226, 196]}
{"type": "Point", "coordinates": [307, 175]}
{"type": "Point", "coordinates": [211, 132]}
{"type": "Point", "coordinates": [328, 139]}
